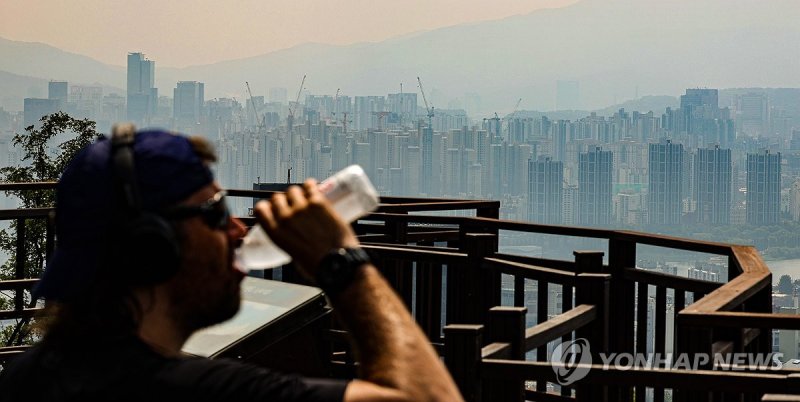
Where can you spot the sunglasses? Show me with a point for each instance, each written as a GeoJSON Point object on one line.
{"type": "Point", "coordinates": [214, 212]}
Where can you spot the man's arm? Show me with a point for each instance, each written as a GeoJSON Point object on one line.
{"type": "Point", "coordinates": [396, 360]}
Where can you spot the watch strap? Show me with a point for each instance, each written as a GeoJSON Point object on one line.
{"type": "Point", "coordinates": [339, 267]}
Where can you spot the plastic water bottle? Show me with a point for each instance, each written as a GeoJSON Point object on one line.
{"type": "Point", "coordinates": [352, 196]}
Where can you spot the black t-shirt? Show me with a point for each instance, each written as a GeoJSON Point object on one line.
{"type": "Point", "coordinates": [131, 371]}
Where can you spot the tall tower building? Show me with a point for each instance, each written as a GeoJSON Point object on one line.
{"type": "Point", "coordinates": [699, 97]}
{"type": "Point", "coordinates": [763, 188]}
{"type": "Point", "coordinates": [58, 90]}
{"type": "Point", "coordinates": [545, 190]}
{"type": "Point", "coordinates": [187, 106]}
{"type": "Point", "coordinates": [594, 187]}
{"type": "Point", "coordinates": [712, 185]}
{"type": "Point", "coordinates": [665, 197]}
{"type": "Point", "coordinates": [142, 94]}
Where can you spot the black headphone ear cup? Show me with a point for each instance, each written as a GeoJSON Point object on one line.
{"type": "Point", "coordinates": [153, 250]}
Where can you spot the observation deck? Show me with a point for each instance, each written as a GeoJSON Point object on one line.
{"type": "Point", "coordinates": [470, 294]}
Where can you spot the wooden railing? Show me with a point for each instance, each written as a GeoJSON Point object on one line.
{"type": "Point", "coordinates": [430, 258]}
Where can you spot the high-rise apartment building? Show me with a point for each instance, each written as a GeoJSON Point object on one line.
{"type": "Point", "coordinates": [545, 190]}
{"type": "Point", "coordinates": [763, 188]}
{"type": "Point", "coordinates": [403, 107]}
{"type": "Point", "coordinates": [712, 185]}
{"type": "Point", "coordinates": [665, 194]}
{"type": "Point", "coordinates": [594, 187]}
{"type": "Point", "coordinates": [794, 200]}
{"type": "Point", "coordinates": [142, 94]}
{"type": "Point", "coordinates": [752, 113]}
{"type": "Point", "coordinates": [426, 173]}
{"type": "Point", "coordinates": [277, 94]}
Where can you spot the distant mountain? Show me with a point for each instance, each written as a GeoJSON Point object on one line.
{"type": "Point", "coordinates": [13, 88]}
{"type": "Point", "coordinates": [612, 47]}
{"type": "Point", "coordinates": [50, 63]}
{"type": "Point", "coordinates": [656, 104]}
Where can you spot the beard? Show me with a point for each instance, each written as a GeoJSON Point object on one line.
{"type": "Point", "coordinates": [206, 291]}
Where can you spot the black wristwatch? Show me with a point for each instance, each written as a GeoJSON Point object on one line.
{"type": "Point", "coordinates": [339, 267]}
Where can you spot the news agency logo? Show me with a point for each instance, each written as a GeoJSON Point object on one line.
{"type": "Point", "coordinates": [575, 358]}
{"type": "Point", "coordinates": [572, 361]}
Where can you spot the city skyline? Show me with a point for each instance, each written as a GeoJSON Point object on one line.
{"type": "Point", "coordinates": [208, 32]}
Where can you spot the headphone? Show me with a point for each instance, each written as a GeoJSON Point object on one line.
{"type": "Point", "coordinates": [145, 246]}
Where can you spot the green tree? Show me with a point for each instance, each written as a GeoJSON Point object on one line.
{"type": "Point", "coordinates": [41, 162]}
{"type": "Point", "coordinates": [785, 285]}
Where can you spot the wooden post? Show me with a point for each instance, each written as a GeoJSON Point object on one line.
{"type": "Point", "coordinates": [507, 324]}
{"type": "Point", "coordinates": [19, 269]}
{"type": "Point", "coordinates": [588, 261]}
{"type": "Point", "coordinates": [462, 356]}
{"type": "Point", "coordinates": [429, 297]}
{"type": "Point", "coordinates": [480, 289]}
{"type": "Point", "coordinates": [399, 273]}
{"type": "Point", "coordinates": [621, 255]}
{"type": "Point", "coordinates": [593, 288]}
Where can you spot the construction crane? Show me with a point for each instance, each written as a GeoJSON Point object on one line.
{"type": "Point", "coordinates": [380, 115]}
{"type": "Point", "coordinates": [427, 109]}
{"type": "Point", "coordinates": [344, 122]}
{"type": "Point", "coordinates": [516, 107]}
{"type": "Point", "coordinates": [335, 104]}
{"type": "Point", "coordinates": [509, 117]}
{"type": "Point", "coordinates": [261, 123]}
{"type": "Point", "coordinates": [293, 108]}
{"type": "Point", "coordinates": [290, 126]}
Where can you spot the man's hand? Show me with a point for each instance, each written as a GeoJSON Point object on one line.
{"type": "Point", "coordinates": [303, 223]}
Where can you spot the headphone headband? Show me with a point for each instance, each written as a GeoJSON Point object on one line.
{"type": "Point", "coordinates": [122, 140]}
{"type": "Point", "coordinates": [145, 244]}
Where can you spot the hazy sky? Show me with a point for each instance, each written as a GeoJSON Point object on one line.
{"type": "Point", "coordinates": [178, 33]}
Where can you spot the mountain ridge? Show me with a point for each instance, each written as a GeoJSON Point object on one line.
{"type": "Point", "coordinates": [610, 47]}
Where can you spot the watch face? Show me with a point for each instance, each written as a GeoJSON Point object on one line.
{"type": "Point", "coordinates": [338, 268]}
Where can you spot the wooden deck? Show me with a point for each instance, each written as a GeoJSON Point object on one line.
{"type": "Point", "coordinates": [428, 256]}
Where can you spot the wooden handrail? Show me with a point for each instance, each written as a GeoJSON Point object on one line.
{"type": "Point", "coordinates": [419, 255]}
{"type": "Point", "coordinates": [729, 319]}
{"type": "Point", "coordinates": [670, 281]}
{"type": "Point", "coordinates": [559, 326]}
{"type": "Point", "coordinates": [17, 284]}
{"type": "Point", "coordinates": [496, 350]}
{"type": "Point", "coordinates": [529, 271]}
{"type": "Point", "coordinates": [43, 185]}
{"type": "Point", "coordinates": [8, 214]}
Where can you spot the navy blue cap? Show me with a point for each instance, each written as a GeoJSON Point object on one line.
{"type": "Point", "coordinates": [167, 170]}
